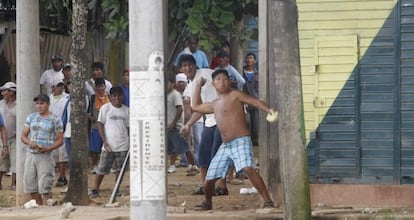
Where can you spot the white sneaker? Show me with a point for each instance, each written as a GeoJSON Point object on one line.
{"type": "Point", "coordinates": [192, 168]}
{"type": "Point", "coordinates": [195, 167]}
{"type": "Point", "coordinates": [93, 170]}
{"type": "Point", "coordinates": [171, 169]}
{"type": "Point", "coordinates": [65, 190]}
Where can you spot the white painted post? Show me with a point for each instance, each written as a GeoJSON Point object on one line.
{"type": "Point", "coordinates": [147, 110]}
{"type": "Point", "coordinates": [27, 78]}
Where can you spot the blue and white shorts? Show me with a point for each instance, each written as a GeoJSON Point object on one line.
{"type": "Point", "coordinates": [239, 151]}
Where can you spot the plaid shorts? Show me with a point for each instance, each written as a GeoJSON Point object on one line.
{"type": "Point", "coordinates": [239, 151]}
{"type": "Point", "coordinates": [106, 160]}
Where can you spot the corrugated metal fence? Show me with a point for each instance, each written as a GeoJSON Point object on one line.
{"type": "Point", "coordinates": [112, 53]}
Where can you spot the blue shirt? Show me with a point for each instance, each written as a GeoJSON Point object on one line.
{"type": "Point", "coordinates": [43, 129]}
{"type": "Point", "coordinates": [125, 89]}
{"type": "Point", "coordinates": [1, 120]}
{"type": "Point", "coordinates": [199, 56]}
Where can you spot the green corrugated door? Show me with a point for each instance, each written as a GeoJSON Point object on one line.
{"type": "Point", "coordinates": [335, 104]}
{"type": "Point", "coordinates": [407, 91]}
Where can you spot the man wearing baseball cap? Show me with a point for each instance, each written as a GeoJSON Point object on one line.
{"type": "Point", "coordinates": [42, 133]}
{"type": "Point", "coordinates": [50, 75]}
{"type": "Point", "coordinates": [8, 112]}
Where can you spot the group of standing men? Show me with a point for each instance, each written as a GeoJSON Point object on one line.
{"type": "Point", "coordinates": [208, 97]}
{"type": "Point", "coordinates": [47, 131]}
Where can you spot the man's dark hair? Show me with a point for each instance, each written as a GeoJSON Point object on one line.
{"type": "Point", "coordinates": [222, 54]}
{"type": "Point", "coordinates": [225, 44]}
{"type": "Point", "coordinates": [98, 65]}
{"type": "Point", "coordinates": [192, 39]}
{"type": "Point", "coordinates": [251, 54]}
{"type": "Point", "coordinates": [116, 90]}
{"type": "Point", "coordinates": [220, 71]}
{"type": "Point", "coordinates": [99, 81]}
{"type": "Point", "coordinates": [186, 58]}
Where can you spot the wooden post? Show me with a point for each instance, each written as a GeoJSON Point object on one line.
{"type": "Point", "coordinates": [268, 134]}
{"type": "Point", "coordinates": [283, 61]}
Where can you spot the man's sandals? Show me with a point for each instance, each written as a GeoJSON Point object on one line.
{"type": "Point", "coordinates": [217, 192]}
{"type": "Point", "coordinates": [268, 204]}
{"type": "Point", "coordinates": [221, 191]}
{"type": "Point", "coordinates": [199, 191]}
{"type": "Point", "coordinates": [203, 206]}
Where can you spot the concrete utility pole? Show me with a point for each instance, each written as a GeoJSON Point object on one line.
{"type": "Point", "coordinates": [147, 109]}
{"type": "Point", "coordinates": [27, 79]}
{"type": "Point", "coordinates": [283, 60]}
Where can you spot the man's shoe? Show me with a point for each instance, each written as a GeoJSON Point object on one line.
{"type": "Point", "coordinates": [199, 191]}
{"type": "Point", "coordinates": [65, 190]}
{"type": "Point", "coordinates": [221, 191]}
{"type": "Point", "coordinates": [171, 169]}
{"type": "Point", "coordinates": [268, 204]}
{"type": "Point", "coordinates": [62, 181]}
{"type": "Point", "coordinates": [192, 168]}
{"type": "Point", "coordinates": [93, 170]}
{"type": "Point", "coordinates": [94, 193]}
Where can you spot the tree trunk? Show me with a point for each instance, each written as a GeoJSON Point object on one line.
{"type": "Point", "coordinates": [78, 183]}
{"type": "Point", "coordinates": [237, 47]}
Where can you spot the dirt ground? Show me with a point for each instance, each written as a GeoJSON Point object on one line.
{"type": "Point", "coordinates": [179, 192]}
{"type": "Point", "coordinates": [233, 206]}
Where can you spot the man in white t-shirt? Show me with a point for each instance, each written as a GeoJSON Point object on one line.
{"type": "Point", "coordinates": [97, 72]}
{"type": "Point", "coordinates": [113, 126]}
{"type": "Point", "coordinates": [58, 100]}
{"type": "Point", "coordinates": [51, 75]}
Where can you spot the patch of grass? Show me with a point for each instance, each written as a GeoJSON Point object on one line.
{"type": "Point", "coordinates": [3, 201]}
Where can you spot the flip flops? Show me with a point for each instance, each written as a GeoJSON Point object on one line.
{"type": "Point", "coordinates": [203, 206]}
{"type": "Point", "coordinates": [268, 204]}
{"type": "Point", "coordinates": [199, 191]}
{"type": "Point", "coordinates": [221, 191]}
